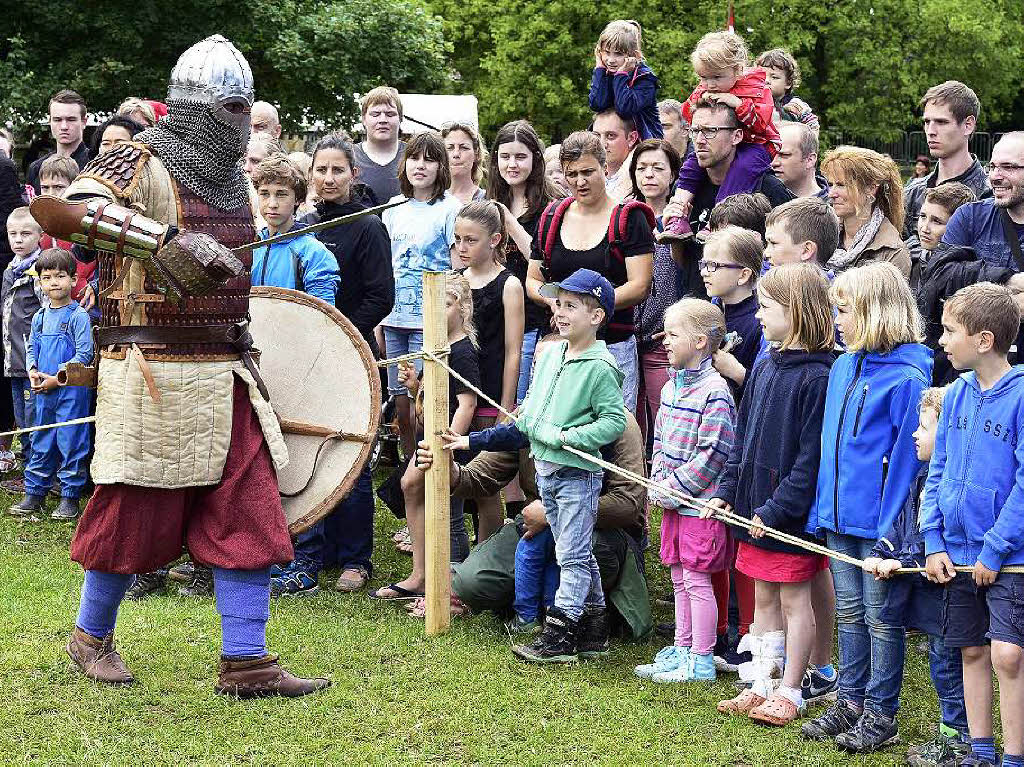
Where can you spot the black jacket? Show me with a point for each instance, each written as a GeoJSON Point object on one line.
{"type": "Point", "coordinates": [80, 156]}
{"type": "Point", "coordinates": [11, 197]}
{"type": "Point", "coordinates": [366, 293]}
{"type": "Point", "coordinates": [950, 268]}
{"type": "Point", "coordinates": [772, 469]}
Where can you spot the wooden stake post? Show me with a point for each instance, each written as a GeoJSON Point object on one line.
{"type": "Point", "coordinates": [437, 526]}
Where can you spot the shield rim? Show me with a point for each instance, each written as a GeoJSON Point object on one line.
{"type": "Point", "coordinates": [344, 487]}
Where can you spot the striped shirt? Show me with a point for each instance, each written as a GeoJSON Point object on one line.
{"type": "Point", "coordinates": [693, 433]}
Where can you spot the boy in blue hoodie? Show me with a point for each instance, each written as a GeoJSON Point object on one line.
{"type": "Point", "coordinates": [571, 403]}
{"type": "Point", "coordinates": [973, 513]}
{"type": "Point", "coordinates": [303, 263]}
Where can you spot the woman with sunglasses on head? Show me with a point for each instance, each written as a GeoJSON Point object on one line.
{"type": "Point", "coordinates": [466, 158]}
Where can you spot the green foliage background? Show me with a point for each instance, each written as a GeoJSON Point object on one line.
{"type": "Point", "coordinates": [865, 62]}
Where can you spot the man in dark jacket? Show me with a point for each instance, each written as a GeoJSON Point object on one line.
{"type": "Point", "coordinates": [11, 197]}
{"type": "Point", "coordinates": [950, 116]}
{"type": "Point", "coordinates": [67, 124]}
{"type": "Point", "coordinates": [486, 580]}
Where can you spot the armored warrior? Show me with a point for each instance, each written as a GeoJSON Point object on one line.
{"type": "Point", "coordinates": [187, 445]}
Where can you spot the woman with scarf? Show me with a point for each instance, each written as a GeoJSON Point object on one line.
{"type": "Point", "coordinates": [866, 192]}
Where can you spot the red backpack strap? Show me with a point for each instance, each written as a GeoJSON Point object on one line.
{"type": "Point", "coordinates": [549, 225]}
{"type": "Point", "coordinates": [618, 221]}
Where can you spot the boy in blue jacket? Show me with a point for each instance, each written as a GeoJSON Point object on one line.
{"type": "Point", "coordinates": [303, 263]}
{"type": "Point", "coordinates": [914, 602]}
{"type": "Point", "coordinates": [973, 512]}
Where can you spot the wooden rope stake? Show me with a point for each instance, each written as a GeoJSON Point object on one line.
{"type": "Point", "coordinates": [437, 525]}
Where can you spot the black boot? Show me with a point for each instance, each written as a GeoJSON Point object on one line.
{"type": "Point", "coordinates": [66, 510]}
{"type": "Point", "coordinates": [27, 506]}
{"type": "Point", "coordinates": [556, 644]}
{"type": "Point", "coordinates": [146, 584]}
{"type": "Point", "coordinates": [594, 631]}
{"type": "Point", "coordinates": [201, 584]}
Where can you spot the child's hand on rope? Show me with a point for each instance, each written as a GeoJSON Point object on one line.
{"type": "Point", "coordinates": [757, 527]}
{"type": "Point", "coordinates": [714, 505]}
{"type": "Point", "coordinates": [939, 567]}
{"type": "Point", "coordinates": [983, 576]}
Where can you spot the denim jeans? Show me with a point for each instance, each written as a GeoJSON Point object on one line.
{"type": "Point", "coordinates": [536, 574]}
{"type": "Point", "coordinates": [348, 530]}
{"type": "Point", "coordinates": [309, 549]}
{"type": "Point", "coordinates": [570, 503]}
{"type": "Point", "coordinates": [526, 363]}
{"type": "Point", "coordinates": [24, 414]}
{"type": "Point", "coordinates": [871, 653]}
{"type": "Point", "coordinates": [625, 355]}
{"type": "Point", "coordinates": [948, 678]}
{"type": "Point", "coordinates": [399, 341]}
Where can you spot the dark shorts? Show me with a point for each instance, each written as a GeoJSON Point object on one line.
{"type": "Point", "coordinates": [237, 524]}
{"type": "Point", "coordinates": [973, 616]}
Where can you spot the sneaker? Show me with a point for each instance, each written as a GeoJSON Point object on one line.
{"type": "Point", "coordinates": [816, 687]}
{"type": "Point", "coordinates": [676, 230]}
{"type": "Point", "coordinates": [27, 506]}
{"type": "Point", "coordinates": [8, 461]}
{"type": "Point", "coordinates": [729, 658]}
{"type": "Point", "coordinates": [66, 510]}
{"type": "Point", "coordinates": [940, 751]}
{"type": "Point", "coordinates": [556, 644]}
{"type": "Point", "coordinates": [183, 572]}
{"type": "Point", "coordinates": [695, 668]}
{"type": "Point", "coordinates": [520, 625]}
{"type": "Point", "coordinates": [668, 659]}
{"type": "Point", "coordinates": [837, 719]}
{"type": "Point", "coordinates": [297, 581]}
{"type": "Point", "coordinates": [873, 731]}
{"type": "Point", "coordinates": [146, 584]}
{"type": "Point", "coordinates": [201, 584]}
{"type": "Point", "coordinates": [594, 631]}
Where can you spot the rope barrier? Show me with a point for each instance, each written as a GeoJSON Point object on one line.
{"type": "Point", "coordinates": [701, 505]}
{"type": "Point", "coordinates": [410, 357]}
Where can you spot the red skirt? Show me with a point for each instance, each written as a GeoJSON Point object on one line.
{"type": "Point", "coordinates": [237, 524]}
{"type": "Point", "coordinates": [778, 566]}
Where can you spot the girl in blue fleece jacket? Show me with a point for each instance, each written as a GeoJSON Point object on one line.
{"type": "Point", "coordinates": [623, 82]}
{"type": "Point", "coordinates": [868, 465]}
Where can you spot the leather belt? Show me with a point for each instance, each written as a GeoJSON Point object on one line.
{"type": "Point", "coordinates": [237, 335]}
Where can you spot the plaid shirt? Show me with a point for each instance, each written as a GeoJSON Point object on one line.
{"type": "Point", "coordinates": [693, 433]}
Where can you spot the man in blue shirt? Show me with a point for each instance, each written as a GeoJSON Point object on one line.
{"type": "Point", "coordinates": [993, 227]}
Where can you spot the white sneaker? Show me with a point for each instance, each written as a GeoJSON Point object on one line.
{"type": "Point", "coordinates": [668, 659]}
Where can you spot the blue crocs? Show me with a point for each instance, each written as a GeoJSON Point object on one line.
{"type": "Point", "coordinates": [668, 659]}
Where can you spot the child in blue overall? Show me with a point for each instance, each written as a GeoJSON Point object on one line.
{"type": "Point", "coordinates": [60, 334]}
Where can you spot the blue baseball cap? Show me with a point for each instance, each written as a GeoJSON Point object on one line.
{"type": "Point", "coordinates": [586, 282]}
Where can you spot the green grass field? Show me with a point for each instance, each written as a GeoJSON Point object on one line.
{"type": "Point", "coordinates": [397, 697]}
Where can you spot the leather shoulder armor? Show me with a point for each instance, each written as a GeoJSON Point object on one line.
{"type": "Point", "coordinates": [119, 168]}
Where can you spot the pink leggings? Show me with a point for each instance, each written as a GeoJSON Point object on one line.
{"type": "Point", "coordinates": [696, 610]}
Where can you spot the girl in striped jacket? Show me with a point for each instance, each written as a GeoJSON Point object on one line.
{"type": "Point", "coordinates": [693, 435]}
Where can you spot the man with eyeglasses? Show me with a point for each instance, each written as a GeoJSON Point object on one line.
{"type": "Point", "coordinates": [950, 117]}
{"type": "Point", "coordinates": [378, 156]}
{"type": "Point", "coordinates": [995, 227]}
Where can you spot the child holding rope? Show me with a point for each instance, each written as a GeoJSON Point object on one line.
{"type": "Point", "coordinates": [693, 434]}
{"type": "Point", "coordinates": [770, 479]}
{"type": "Point", "coordinates": [915, 603]}
{"type": "Point", "coordinates": [973, 513]}
{"type": "Point", "coordinates": [868, 465]}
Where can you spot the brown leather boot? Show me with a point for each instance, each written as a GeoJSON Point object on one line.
{"type": "Point", "coordinates": [97, 658]}
{"type": "Point", "coordinates": [263, 677]}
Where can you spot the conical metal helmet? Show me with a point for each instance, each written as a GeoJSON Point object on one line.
{"type": "Point", "coordinates": [211, 71]}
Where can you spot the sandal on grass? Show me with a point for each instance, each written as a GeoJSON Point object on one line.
{"type": "Point", "coordinates": [398, 593]}
{"type": "Point", "coordinates": [743, 703]}
{"type": "Point", "coordinates": [405, 547]}
{"type": "Point", "coordinates": [401, 535]}
{"type": "Point", "coordinates": [777, 711]}
{"type": "Point", "coordinates": [418, 609]}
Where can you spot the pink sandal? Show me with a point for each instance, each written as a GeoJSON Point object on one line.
{"type": "Point", "coordinates": [743, 703]}
{"type": "Point", "coordinates": [777, 711]}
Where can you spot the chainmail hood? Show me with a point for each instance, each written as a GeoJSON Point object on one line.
{"type": "Point", "coordinates": [202, 151]}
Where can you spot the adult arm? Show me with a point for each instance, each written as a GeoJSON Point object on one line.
{"type": "Point", "coordinates": [485, 475]}
{"type": "Point", "coordinates": [512, 300]}
{"type": "Point", "coordinates": [534, 281]}
{"type": "Point", "coordinates": [372, 256]}
{"type": "Point", "coordinates": [639, 271]}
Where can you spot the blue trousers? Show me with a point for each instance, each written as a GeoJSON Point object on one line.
{"type": "Point", "coordinates": [62, 453]}
{"type": "Point", "coordinates": [536, 574]}
{"type": "Point", "coordinates": [24, 414]}
{"type": "Point", "coordinates": [948, 677]}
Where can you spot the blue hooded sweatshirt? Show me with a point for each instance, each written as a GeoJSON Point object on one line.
{"type": "Point", "coordinates": [974, 498]}
{"type": "Point", "coordinates": [868, 458]}
{"type": "Point", "coordinates": [633, 95]}
{"type": "Point", "coordinates": [303, 263]}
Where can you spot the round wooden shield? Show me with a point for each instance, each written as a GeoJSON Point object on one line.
{"type": "Point", "coordinates": [325, 388]}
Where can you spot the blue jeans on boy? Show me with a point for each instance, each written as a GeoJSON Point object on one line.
{"type": "Point", "coordinates": [570, 504]}
{"type": "Point", "coordinates": [24, 414]}
{"type": "Point", "coordinates": [948, 678]}
{"type": "Point", "coordinates": [530, 338]}
{"type": "Point", "coordinates": [536, 574]}
{"type": "Point", "coordinates": [871, 653]}
{"type": "Point", "coordinates": [348, 530]}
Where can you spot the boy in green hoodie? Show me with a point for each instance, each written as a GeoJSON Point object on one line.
{"type": "Point", "coordinates": [575, 400]}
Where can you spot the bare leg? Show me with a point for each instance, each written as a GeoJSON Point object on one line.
{"type": "Point", "coordinates": [800, 630]}
{"type": "Point", "coordinates": [406, 424]}
{"type": "Point", "coordinates": [768, 614]}
{"type": "Point", "coordinates": [823, 602]}
{"type": "Point", "coordinates": [978, 690]}
{"type": "Point", "coordinates": [1008, 661]}
{"type": "Point", "coordinates": [414, 490]}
